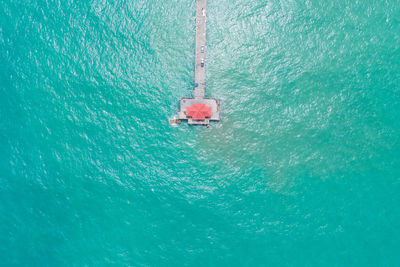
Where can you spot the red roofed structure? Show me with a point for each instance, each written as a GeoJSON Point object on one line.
{"type": "Point", "coordinates": [198, 111]}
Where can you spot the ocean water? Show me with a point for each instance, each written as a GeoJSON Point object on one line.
{"type": "Point", "coordinates": [302, 170]}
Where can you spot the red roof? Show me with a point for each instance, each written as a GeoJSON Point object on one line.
{"type": "Point", "coordinates": [198, 111]}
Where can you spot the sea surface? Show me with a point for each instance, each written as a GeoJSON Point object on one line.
{"type": "Point", "coordinates": [302, 170]}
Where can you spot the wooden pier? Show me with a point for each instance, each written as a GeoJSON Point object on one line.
{"type": "Point", "coordinates": [200, 110]}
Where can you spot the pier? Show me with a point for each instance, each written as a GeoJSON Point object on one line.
{"type": "Point", "coordinates": [198, 109]}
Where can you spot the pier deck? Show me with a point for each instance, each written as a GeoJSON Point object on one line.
{"type": "Point", "coordinates": [200, 72]}
{"type": "Point", "coordinates": [201, 50]}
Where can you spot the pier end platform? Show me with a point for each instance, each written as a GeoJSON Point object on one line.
{"type": "Point", "coordinates": [211, 104]}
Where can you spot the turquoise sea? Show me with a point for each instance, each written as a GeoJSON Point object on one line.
{"type": "Point", "coordinates": [302, 170]}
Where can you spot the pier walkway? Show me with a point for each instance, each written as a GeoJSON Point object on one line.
{"type": "Point", "coordinates": [198, 105]}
